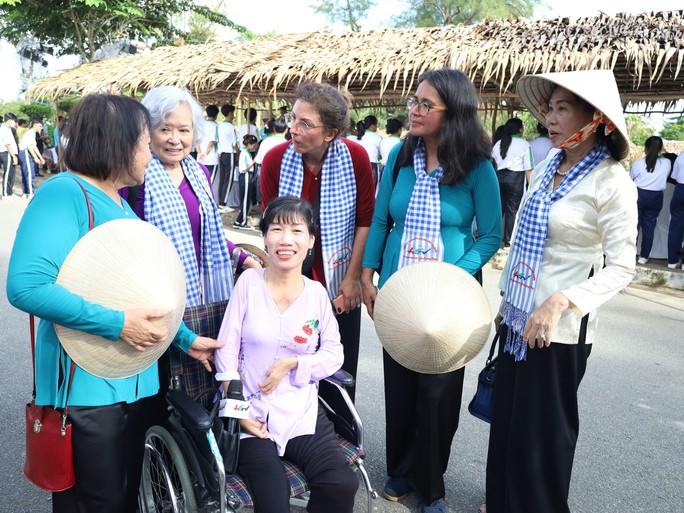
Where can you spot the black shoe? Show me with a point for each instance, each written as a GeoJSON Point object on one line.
{"type": "Point", "coordinates": [397, 489]}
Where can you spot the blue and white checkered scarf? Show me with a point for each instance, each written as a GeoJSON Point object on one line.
{"type": "Point", "coordinates": [528, 246]}
{"type": "Point", "coordinates": [338, 206]}
{"type": "Point", "coordinates": [422, 238]}
{"type": "Point", "coordinates": [165, 208]}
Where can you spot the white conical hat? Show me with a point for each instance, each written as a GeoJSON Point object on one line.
{"type": "Point", "coordinates": [122, 264]}
{"type": "Point", "coordinates": [597, 87]}
{"type": "Point", "coordinates": [432, 317]}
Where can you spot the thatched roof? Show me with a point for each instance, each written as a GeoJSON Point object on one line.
{"type": "Point", "coordinates": [645, 51]}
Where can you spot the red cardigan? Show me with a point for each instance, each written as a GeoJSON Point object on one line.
{"type": "Point", "coordinates": [311, 186]}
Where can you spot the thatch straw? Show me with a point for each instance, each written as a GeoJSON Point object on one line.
{"type": "Point", "coordinates": [645, 51]}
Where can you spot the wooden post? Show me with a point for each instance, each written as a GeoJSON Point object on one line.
{"type": "Point", "coordinates": [494, 115]}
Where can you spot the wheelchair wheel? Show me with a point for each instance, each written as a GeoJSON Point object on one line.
{"type": "Point", "coordinates": [166, 484]}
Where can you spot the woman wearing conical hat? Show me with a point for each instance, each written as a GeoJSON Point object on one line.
{"type": "Point", "coordinates": [575, 237]}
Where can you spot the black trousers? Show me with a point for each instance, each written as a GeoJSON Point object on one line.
{"type": "Point", "coordinates": [332, 481]}
{"type": "Point", "coordinates": [8, 172]}
{"type": "Point", "coordinates": [226, 163]}
{"type": "Point", "coordinates": [350, 333]}
{"type": "Point", "coordinates": [649, 205]}
{"type": "Point", "coordinates": [108, 445]}
{"type": "Point", "coordinates": [246, 197]}
{"type": "Point", "coordinates": [422, 412]}
{"type": "Point", "coordinates": [375, 167]}
{"type": "Point", "coordinates": [511, 186]}
{"type": "Point", "coordinates": [675, 234]}
{"type": "Point", "coordinates": [534, 429]}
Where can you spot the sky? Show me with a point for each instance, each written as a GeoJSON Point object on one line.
{"type": "Point", "coordinates": [297, 16]}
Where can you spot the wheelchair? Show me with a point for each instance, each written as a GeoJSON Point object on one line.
{"type": "Point", "coordinates": [183, 470]}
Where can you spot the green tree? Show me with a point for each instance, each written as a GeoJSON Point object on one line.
{"type": "Point", "coordinates": [349, 12]}
{"type": "Point", "coordinates": [37, 111]}
{"type": "Point", "coordinates": [638, 129]}
{"type": "Point", "coordinates": [439, 13]}
{"type": "Point", "coordinates": [673, 130]}
{"type": "Point", "coordinates": [83, 26]}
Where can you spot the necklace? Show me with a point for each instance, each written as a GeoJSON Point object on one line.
{"type": "Point", "coordinates": [560, 173]}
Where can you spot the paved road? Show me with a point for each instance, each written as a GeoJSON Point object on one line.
{"type": "Point", "coordinates": [631, 444]}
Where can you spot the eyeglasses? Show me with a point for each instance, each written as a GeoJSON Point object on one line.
{"type": "Point", "coordinates": [302, 126]}
{"type": "Point", "coordinates": [424, 108]}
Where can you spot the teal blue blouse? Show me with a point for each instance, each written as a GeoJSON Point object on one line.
{"type": "Point", "coordinates": [53, 222]}
{"type": "Point", "coordinates": [476, 197]}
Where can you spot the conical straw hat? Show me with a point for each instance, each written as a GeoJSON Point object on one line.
{"type": "Point", "coordinates": [597, 87]}
{"type": "Point", "coordinates": [122, 264]}
{"type": "Point", "coordinates": [257, 253]}
{"type": "Point", "coordinates": [432, 317]}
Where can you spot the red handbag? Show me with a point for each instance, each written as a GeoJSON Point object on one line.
{"type": "Point", "coordinates": [49, 456]}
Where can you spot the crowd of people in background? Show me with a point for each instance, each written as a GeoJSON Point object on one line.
{"type": "Point", "coordinates": [515, 158]}
{"type": "Point", "coordinates": [27, 146]}
{"type": "Point", "coordinates": [27, 151]}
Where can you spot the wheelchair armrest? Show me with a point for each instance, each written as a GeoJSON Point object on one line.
{"type": "Point", "coordinates": [190, 412]}
{"type": "Point", "coordinates": [342, 379]}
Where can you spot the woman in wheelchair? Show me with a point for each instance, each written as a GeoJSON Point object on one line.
{"type": "Point", "coordinates": [281, 338]}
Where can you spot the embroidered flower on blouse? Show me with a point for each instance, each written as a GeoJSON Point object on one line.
{"type": "Point", "coordinates": [309, 328]}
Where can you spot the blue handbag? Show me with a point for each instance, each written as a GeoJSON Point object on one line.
{"type": "Point", "coordinates": [483, 402]}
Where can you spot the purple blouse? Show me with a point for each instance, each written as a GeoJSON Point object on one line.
{"type": "Point", "coordinates": [192, 205]}
{"type": "Point", "coordinates": [257, 335]}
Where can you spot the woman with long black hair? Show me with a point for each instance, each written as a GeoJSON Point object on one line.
{"type": "Point", "coordinates": [513, 157]}
{"type": "Point", "coordinates": [650, 176]}
{"type": "Point", "coordinates": [445, 180]}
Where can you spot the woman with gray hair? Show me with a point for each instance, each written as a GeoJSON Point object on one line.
{"type": "Point", "coordinates": [177, 198]}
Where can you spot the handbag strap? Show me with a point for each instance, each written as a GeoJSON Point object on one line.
{"type": "Point", "coordinates": [585, 321]}
{"type": "Point", "coordinates": [32, 321]}
{"type": "Point", "coordinates": [492, 348]}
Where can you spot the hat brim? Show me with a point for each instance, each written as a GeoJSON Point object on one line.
{"type": "Point", "coordinates": [596, 87]}
{"type": "Point", "coordinates": [432, 317]}
{"type": "Point", "coordinates": [122, 265]}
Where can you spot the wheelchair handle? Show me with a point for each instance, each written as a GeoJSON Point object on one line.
{"type": "Point", "coordinates": [342, 378]}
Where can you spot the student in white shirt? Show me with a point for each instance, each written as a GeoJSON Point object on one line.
{"type": "Point", "coordinates": [393, 129]}
{"type": "Point", "coordinates": [246, 167]}
{"type": "Point", "coordinates": [8, 155]}
{"type": "Point", "coordinates": [206, 148]}
{"type": "Point", "coordinates": [228, 148]}
{"type": "Point", "coordinates": [370, 140]}
{"type": "Point", "coordinates": [513, 158]}
{"type": "Point", "coordinates": [249, 128]}
{"type": "Point", "coordinates": [29, 158]}
{"type": "Point", "coordinates": [650, 176]}
{"type": "Point", "coordinates": [275, 135]}
{"type": "Point", "coordinates": [540, 145]}
{"type": "Point", "coordinates": [675, 235]}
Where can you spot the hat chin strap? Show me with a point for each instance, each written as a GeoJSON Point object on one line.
{"type": "Point", "coordinates": [588, 130]}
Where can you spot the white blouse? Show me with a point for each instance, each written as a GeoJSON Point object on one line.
{"type": "Point", "coordinates": [654, 181]}
{"type": "Point", "coordinates": [518, 156]}
{"type": "Point", "coordinates": [597, 217]}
